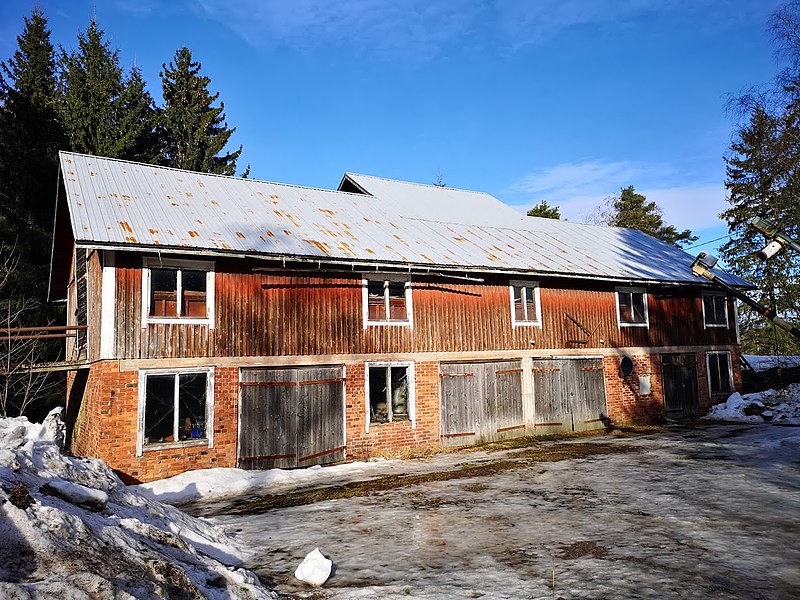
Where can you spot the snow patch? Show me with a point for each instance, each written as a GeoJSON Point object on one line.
{"type": "Point", "coordinates": [71, 529]}
{"type": "Point", "coordinates": [773, 406]}
{"type": "Point", "coordinates": [763, 363]}
{"type": "Point", "coordinates": [315, 568]}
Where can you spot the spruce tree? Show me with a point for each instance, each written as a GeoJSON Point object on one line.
{"type": "Point", "coordinates": [30, 136]}
{"type": "Point", "coordinates": [759, 174]}
{"type": "Point", "coordinates": [632, 210]}
{"type": "Point", "coordinates": [103, 112]}
{"type": "Point", "coordinates": [543, 209]}
{"type": "Point", "coordinates": [194, 131]}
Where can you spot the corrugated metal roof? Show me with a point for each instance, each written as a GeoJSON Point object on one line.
{"type": "Point", "coordinates": [115, 202]}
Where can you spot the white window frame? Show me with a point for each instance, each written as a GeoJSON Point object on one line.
{"type": "Point", "coordinates": [730, 371]}
{"type": "Point", "coordinates": [724, 297]}
{"type": "Point", "coordinates": [206, 441]}
{"type": "Point", "coordinates": [412, 397]}
{"type": "Point", "coordinates": [409, 322]}
{"type": "Point", "coordinates": [180, 265]}
{"type": "Point", "coordinates": [632, 290]}
{"type": "Point", "coordinates": [537, 309]}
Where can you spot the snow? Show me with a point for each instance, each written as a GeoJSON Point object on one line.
{"type": "Point", "coordinates": [71, 529]}
{"type": "Point", "coordinates": [774, 406]}
{"type": "Point", "coordinates": [315, 568]}
{"type": "Point", "coordinates": [762, 363]}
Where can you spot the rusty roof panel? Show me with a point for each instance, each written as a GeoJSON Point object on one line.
{"type": "Point", "coordinates": [119, 202]}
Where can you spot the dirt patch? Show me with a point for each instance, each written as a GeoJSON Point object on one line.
{"type": "Point", "coordinates": [559, 452]}
{"type": "Point", "coordinates": [518, 460]}
{"type": "Point", "coordinates": [581, 549]}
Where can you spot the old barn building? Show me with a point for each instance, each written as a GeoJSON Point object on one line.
{"type": "Point", "coordinates": [242, 323]}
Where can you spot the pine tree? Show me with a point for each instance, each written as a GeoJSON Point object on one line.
{"type": "Point", "coordinates": [632, 210]}
{"type": "Point", "coordinates": [543, 209]}
{"type": "Point", "coordinates": [30, 135]}
{"type": "Point", "coordinates": [194, 131]}
{"type": "Point", "coordinates": [104, 113]}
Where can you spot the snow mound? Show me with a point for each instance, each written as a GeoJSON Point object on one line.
{"type": "Point", "coordinates": [71, 529]}
{"type": "Point", "coordinates": [772, 406]}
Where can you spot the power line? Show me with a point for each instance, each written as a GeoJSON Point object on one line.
{"type": "Point", "coordinates": [708, 242]}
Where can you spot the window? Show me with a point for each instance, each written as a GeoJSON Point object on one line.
{"type": "Point", "coordinates": [715, 310]}
{"type": "Point", "coordinates": [632, 307]}
{"type": "Point", "coordinates": [177, 291]}
{"type": "Point", "coordinates": [720, 374]}
{"type": "Point", "coordinates": [387, 302]}
{"type": "Point", "coordinates": [525, 308]}
{"type": "Point", "coordinates": [175, 408]}
{"type": "Point", "coordinates": [389, 390]}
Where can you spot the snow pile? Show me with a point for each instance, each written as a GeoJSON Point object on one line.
{"type": "Point", "coordinates": [772, 406]}
{"type": "Point", "coordinates": [71, 529]}
{"type": "Point", "coordinates": [764, 363]}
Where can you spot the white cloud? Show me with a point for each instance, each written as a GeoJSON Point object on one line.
{"type": "Point", "coordinates": [417, 27]}
{"type": "Point", "coordinates": [578, 189]}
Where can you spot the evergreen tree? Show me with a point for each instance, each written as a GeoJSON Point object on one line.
{"type": "Point", "coordinates": [30, 135]}
{"type": "Point", "coordinates": [759, 183]}
{"type": "Point", "coordinates": [194, 131]}
{"type": "Point", "coordinates": [104, 113]}
{"type": "Point", "coordinates": [543, 209]}
{"type": "Point", "coordinates": [632, 210]}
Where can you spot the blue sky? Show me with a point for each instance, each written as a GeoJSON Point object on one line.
{"type": "Point", "coordinates": [562, 100]}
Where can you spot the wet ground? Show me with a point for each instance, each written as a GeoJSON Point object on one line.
{"type": "Point", "coordinates": [707, 512]}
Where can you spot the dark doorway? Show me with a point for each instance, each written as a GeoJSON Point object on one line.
{"type": "Point", "coordinates": [681, 397]}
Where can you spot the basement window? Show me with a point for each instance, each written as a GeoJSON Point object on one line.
{"type": "Point", "coordinates": [525, 308]}
{"type": "Point", "coordinates": [175, 409]}
{"type": "Point", "coordinates": [632, 307]}
{"type": "Point", "coordinates": [720, 373]}
{"type": "Point", "coordinates": [387, 301]}
{"type": "Point", "coordinates": [715, 309]}
{"type": "Point", "coordinates": [389, 388]}
{"type": "Point", "coordinates": [177, 291]}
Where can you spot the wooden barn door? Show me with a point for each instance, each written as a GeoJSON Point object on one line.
{"type": "Point", "coordinates": [291, 417]}
{"type": "Point", "coordinates": [480, 401]}
{"type": "Point", "coordinates": [681, 398]}
{"type": "Point", "coordinates": [569, 394]}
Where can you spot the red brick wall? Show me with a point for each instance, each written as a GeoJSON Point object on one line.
{"type": "Point", "coordinates": [626, 405]}
{"type": "Point", "coordinates": [384, 437]}
{"type": "Point", "coordinates": [107, 426]}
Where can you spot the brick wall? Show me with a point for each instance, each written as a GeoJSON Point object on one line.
{"type": "Point", "coordinates": [106, 426]}
{"type": "Point", "coordinates": [384, 437]}
{"type": "Point", "coordinates": [626, 404]}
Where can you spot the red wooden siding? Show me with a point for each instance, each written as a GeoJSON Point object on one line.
{"type": "Point", "coordinates": [260, 314]}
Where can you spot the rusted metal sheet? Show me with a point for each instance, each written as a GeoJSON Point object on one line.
{"type": "Point", "coordinates": [113, 202]}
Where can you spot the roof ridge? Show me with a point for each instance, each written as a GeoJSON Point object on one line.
{"type": "Point", "coordinates": [414, 183]}
{"type": "Point", "coordinates": [202, 174]}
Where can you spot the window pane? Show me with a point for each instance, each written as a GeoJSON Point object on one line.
{"type": "Point", "coordinates": [163, 292]}
{"type": "Point", "coordinates": [715, 309]}
{"type": "Point", "coordinates": [519, 303]}
{"type": "Point", "coordinates": [637, 302]}
{"type": "Point", "coordinates": [625, 312]}
{"type": "Point", "coordinates": [713, 367]}
{"type": "Point", "coordinates": [193, 285]}
{"type": "Point", "coordinates": [376, 301]}
{"type": "Point", "coordinates": [159, 409]}
{"type": "Point", "coordinates": [399, 393]}
{"type": "Point", "coordinates": [397, 301]}
{"type": "Point", "coordinates": [192, 405]}
{"type": "Point", "coordinates": [378, 411]}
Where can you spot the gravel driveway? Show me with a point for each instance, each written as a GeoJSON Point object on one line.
{"type": "Point", "coordinates": [706, 512]}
